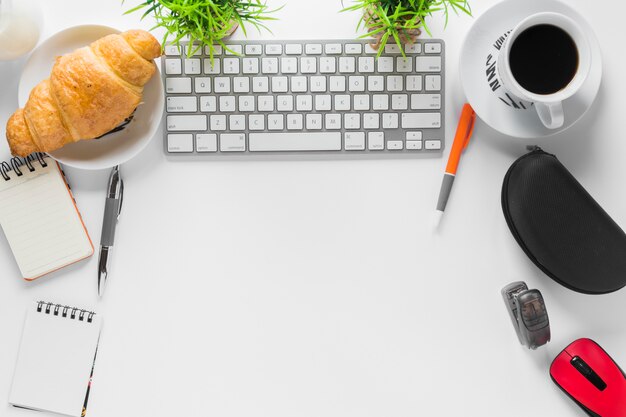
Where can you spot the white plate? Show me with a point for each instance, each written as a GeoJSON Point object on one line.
{"type": "Point", "coordinates": [115, 148]}
{"type": "Point", "coordinates": [500, 110]}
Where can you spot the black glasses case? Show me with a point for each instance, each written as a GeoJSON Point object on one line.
{"type": "Point", "coordinates": [561, 228]}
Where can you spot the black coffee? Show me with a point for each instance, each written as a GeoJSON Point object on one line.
{"type": "Point", "coordinates": [543, 59]}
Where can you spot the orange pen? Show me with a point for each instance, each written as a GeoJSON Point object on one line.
{"type": "Point", "coordinates": [461, 139]}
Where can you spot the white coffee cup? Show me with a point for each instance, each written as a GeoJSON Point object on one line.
{"type": "Point", "coordinates": [549, 106]}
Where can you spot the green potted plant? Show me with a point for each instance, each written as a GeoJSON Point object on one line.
{"type": "Point", "coordinates": [203, 22]}
{"type": "Point", "coordinates": [401, 20]}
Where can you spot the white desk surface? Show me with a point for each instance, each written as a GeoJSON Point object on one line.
{"type": "Point", "coordinates": [317, 288]}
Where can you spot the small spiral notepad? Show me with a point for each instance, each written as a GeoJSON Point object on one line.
{"type": "Point", "coordinates": [39, 216]}
{"type": "Point", "coordinates": [56, 359]}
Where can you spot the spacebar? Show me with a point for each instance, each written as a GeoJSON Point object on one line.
{"type": "Point", "coordinates": [299, 141]}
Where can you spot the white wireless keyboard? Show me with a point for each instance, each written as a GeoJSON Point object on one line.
{"type": "Point", "coordinates": [328, 97]}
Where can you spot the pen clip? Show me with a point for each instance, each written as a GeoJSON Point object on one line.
{"type": "Point", "coordinates": [469, 116]}
{"type": "Point", "coordinates": [119, 208]}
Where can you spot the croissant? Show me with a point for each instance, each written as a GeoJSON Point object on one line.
{"type": "Point", "coordinates": [90, 92]}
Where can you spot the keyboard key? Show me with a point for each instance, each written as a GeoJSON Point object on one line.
{"type": "Point", "coordinates": [313, 49]}
{"type": "Point", "coordinates": [390, 120]}
{"type": "Point", "coordinates": [352, 121]}
{"type": "Point", "coordinates": [274, 49]}
{"type": "Point", "coordinates": [180, 143]}
{"type": "Point", "coordinates": [256, 122]}
{"type": "Point", "coordinates": [318, 84]}
{"type": "Point", "coordinates": [192, 66]}
{"type": "Point", "coordinates": [308, 65]}
{"type": "Point", "coordinates": [212, 68]}
{"type": "Point", "coordinates": [304, 103]}
{"type": "Point", "coordinates": [293, 49]}
{"type": "Point", "coordinates": [361, 102]}
{"type": "Point", "coordinates": [375, 83]}
{"type": "Point", "coordinates": [380, 102]}
{"type": "Point", "coordinates": [354, 141]}
{"type": "Point", "coordinates": [332, 121]}
{"type": "Point", "coordinates": [208, 104]}
{"type": "Point", "coordinates": [232, 142]}
{"type": "Point", "coordinates": [395, 145]}
{"type": "Point", "coordinates": [425, 101]}
{"type": "Point", "coordinates": [227, 104]}
{"type": "Point", "coordinates": [404, 64]}
{"type": "Point", "coordinates": [392, 48]}
{"type": "Point", "coordinates": [186, 123]}
{"type": "Point", "coordinates": [356, 83]}
{"type": "Point", "coordinates": [173, 66]}
{"type": "Point", "coordinates": [202, 84]}
{"type": "Point", "coordinates": [314, 121]}
{"type": "Point", "coordinates": [301, 141]}
{"type": "Point", "coordinates": [254, 49]}
{"type": "Point", "coordinates": [234, 50]}
{"type": "Point", "coordinates": [275, 122]}
{"type": "Point", "coordinates": [241, 85]}
{"type": "Point", "coordinates": [265, 103]}
{"type": "Point", "coordinates": [369, 50]}
{"type": "Point", "coordinates": [171, 50]}
{"type": "Point", "coordinates": [432, 83]}
{"type": "Point", "coordinates": [295, 122]}
{"type": "Point", "coordinates": [394, 83]}
{"type": "Point", "coordinates": [269, 65]}
{"type": "Point", "coordinates": [413, 135]}
{"type": "Point", "coordinates": [376, 141]}
{"type": "Point", "coordinates": [328, 65]}
{"type": "Point", "coordinates": [432, 48]}
{"type": "Point", "coordinates": [206, 142]}
{"type": "Point", "coordinates": [415, 48]}
{"type": "Point", "coordinates": [366, 64]}
{"type": "Point", "coordinates": [347, 64]}
{"type": "Point", "coordinates": [385, 64]}
{"type": "Point", "coordinates": [323, 102]}
{"type": "Point", "coordinates": [237, 122]}
{"type": "Point", "coordinates": [250, 65]}
{"type": "Point", "coordinates": [371, 121]}
{"type": "Point", "coordinates": [231, 66]}
{"type": "Point", "coordinates": [217, 50]}
{"type": "Point", "coordinates": [279, 85]}
{"type": "Point", "coordinates": [299, 84]}
{"type": "Point", "coordinates": [414, 83]}
{"type": "Point", "coordinates": [246, 103]}
{"type": "Point", "coordinates": [260, 84]}
{"type": "Point", "coordinates": [218, 122]}
{"type": "Point", "coordinates": [222, 85]}
{"type": "Point", "coordinates": [284, 103]}
{"type": "Point", "coordinates": [289, 65]}
{"type": "Point", "coordinates": [178, 85]}
{"type": "Point", "coordinates": [342, 102]}
{"type": "Point", "coordinates": [432, 145]}
{"type": "Point", "coordinates": [421, 120]}
{"type": "Point", "coordinates": [182, 104]}
{"type": "Point", "coordinates": [414, 145]}
{"type": "Point", "coordinates": [428, 64]}
{"type": "Point", "coordinates": [399, 102]}
{"type": "Point", "coordinates": [337, 84]}
{"type": "Point", "coordinates": [333, 49]}
{"type": "Point", "coordinates": [354, 49]}
{"type": "Point", "coordinates": [196, 50]}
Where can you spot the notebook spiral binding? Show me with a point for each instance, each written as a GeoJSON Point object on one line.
{"type": "Point", "coordinates": [16, 164]}
{"type": "Point", "coordinates": [65, 311]}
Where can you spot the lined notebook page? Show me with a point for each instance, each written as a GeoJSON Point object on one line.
{"type": "Point", "coordinates": [54, 362]}
{"type": "Point", "coordinates": [41, 221]}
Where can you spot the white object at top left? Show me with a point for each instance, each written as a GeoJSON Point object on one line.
{"type": "Point", "coordinates": [20, 27]}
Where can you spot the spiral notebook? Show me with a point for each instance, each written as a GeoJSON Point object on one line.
{"type": "Point", "coordinates": [39, 216]}
{"type": "Point", "coordinates": [56, 359]}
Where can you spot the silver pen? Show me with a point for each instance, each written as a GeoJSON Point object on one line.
{"type": "Point", "coordinates": [112, 210]}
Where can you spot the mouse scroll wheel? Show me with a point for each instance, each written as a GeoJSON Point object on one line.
{"type": "Point", "coordinates": [586, 371]}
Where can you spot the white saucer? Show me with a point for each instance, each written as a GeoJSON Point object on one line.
{"type": "Point", "coordinates": [500, 110]}
{"type": "Point", "coordinates": [114, 148]}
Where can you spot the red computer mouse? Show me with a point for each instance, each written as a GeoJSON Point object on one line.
{"type": "Point", "coordinates": [589, 376]}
